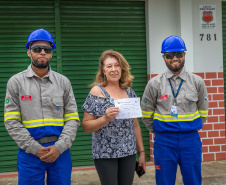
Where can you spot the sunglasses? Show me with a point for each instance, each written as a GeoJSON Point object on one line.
{"type": "Point", "coordinates": [39, 48]}
{"type": "Point", "coordinates": [178, 54]}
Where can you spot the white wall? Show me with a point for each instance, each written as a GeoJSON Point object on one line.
{"type": "Point", "coordinates": [181, 18]}
{"type": "Point", "coordinates": [208, 55]}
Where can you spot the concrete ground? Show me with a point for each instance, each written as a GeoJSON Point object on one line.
{"type": "Point", "coordinates": [214, 173]}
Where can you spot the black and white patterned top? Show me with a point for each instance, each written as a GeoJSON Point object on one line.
{"type": "Point", "coordinates": [116, 139]}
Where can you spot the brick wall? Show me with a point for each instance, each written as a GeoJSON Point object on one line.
{"type": "Point", "coordinates": [213, 132]}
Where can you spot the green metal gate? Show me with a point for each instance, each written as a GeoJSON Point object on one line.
{"type": "Point", "coordinates": [82, 30]}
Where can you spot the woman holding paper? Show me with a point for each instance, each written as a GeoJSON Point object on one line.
{"type": "Point", "coordinates": [115, 141]}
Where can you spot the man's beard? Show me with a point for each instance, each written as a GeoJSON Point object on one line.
{"type": "Point", "coordinates": [176, 68]}
{"type": "Point", "coordinates": [41, 65]}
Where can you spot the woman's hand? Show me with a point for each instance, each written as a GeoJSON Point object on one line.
{"type": "Point", "coordinates": [141, 160]}
{"type": "Point", "coordinates": [111, 113]}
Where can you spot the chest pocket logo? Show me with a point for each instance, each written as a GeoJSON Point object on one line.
{"type": "Point", "coordinates": [58, 107]}
{"type": "Point", "coordinates": [189, 102]}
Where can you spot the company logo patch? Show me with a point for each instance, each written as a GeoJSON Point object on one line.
{"type": "Point", "coordinates": [162, 97]}
{"type": "Point", "coordinates": [6, 101]}
{"type": "Point", "coordinates": [74, 100]}
{"type": "Point", "coordinates": [206, 98]}
{"type": "Point", "coordinates": [145, 100]}
{"type": "Point", "coordinates": [58, 108]}
{"type": "Point", "coordinates": [157, 167]}
{"type": "Point", "coordinates": [26, 98]}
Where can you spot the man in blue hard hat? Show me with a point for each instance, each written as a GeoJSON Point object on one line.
{"type": "Point", "coordinates": [41, 116]}
{"type": "Point", "coordinates": [174, 107]}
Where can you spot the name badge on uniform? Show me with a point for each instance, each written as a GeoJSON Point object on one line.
{"type": "Point", "coordinates": [174, 111]}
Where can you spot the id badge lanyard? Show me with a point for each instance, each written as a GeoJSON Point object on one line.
{"type": "Point", "coordinates": [174, 106]}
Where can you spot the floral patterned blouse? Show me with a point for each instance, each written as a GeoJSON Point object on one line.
{"type": "Point", "coordinates": [116, 139]}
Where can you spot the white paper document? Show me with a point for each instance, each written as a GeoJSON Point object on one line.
{"type": "Point", "coordinates": [128, 108]}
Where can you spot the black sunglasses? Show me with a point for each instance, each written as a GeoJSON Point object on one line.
{"type": "Point", "coordinates": [170, 55]}
{"type": "Point", "coordinates": [39, 48]}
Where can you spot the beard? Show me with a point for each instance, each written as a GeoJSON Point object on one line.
{"type": "Point", "coordinates": [176, 68]}
{"type": "Point", "coordinates": [41, 65]}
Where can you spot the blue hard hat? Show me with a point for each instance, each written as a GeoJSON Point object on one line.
{"type": "Point", "coordinates": [172, 44]}
{"type": "Point", "coordinates": [40, 35]}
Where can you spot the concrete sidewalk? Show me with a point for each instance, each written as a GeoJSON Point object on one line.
{"type": "Point", "coordinates": [214, 173]}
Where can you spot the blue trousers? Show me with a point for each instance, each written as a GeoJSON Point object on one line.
{"type": "Point", "coordinates": [31, 170]}
{"type": "Point", "coordinates": [171, 149]}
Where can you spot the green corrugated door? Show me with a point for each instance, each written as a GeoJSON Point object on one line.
{"type": "Point", "coordinates": [87, 29]}
{"type": "Point", "coordinates": [224, 47]}
{"type": "Point", "coordinates": [17, 20]}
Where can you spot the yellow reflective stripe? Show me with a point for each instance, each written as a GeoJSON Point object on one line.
{"type": "Point", "coordinates": [42, 125]}
{"type": "Point", "coordinates": [11, 118]}
{"type": "Point", "coordinates": [203, 113]}
{"type": "Point", "coordinates": [71, 116]}
{"type": "Point", "coordinates": [43, 122]}
{"type": "Point", "coordinates": [147, 114]}
{"type": "Point", "coordinates": [169, 118]}
{"type": "Point", "coordinates": [12, 115]}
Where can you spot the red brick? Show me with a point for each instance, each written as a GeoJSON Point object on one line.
{"type": "Point", "coordinates": [208, 157]}
{"type": "Point", "coordinates": [210, 112]}
{"type": "Point", "coordinates": [222, 133]}
{"type": "Point", "coordinates": [219, 140]}
{"type": "Point", "coordinates": [213, 104]}
{"type": "Point", "coordinates": [207, 82]}
{"type": "Point", "coordinates": [153, 75]}
{"type": "Point", "coordinates": [222, 118]}
{"type": "Point", "coordinates": [207, 127]}
{"type": "Point", "coordinates": [202, 134]}
{"type": "Point", "coordinates": [215, 148]}
{"type": "Point", "coordinates": [217, 82]}
{"type": "Point", "coordinates": [220, 156]}
{"type": "Point", "coordinates": [205, 149]}
{"type": "Point", "coordinates": [218, 111]}
{"type": "Point", "coordinates": [212, 119]}
{"type": "Point", "coordinates": [210, 97]}
{"type": "Point", "coordinates": [220, 89]}
{"type": "Point", "coordinates": [223, 148]}
{"type": "Point", "coordinates": [151, 152]}
{"type": "Point", "coordinates": [148, 77]}
{"type": "Point", "coordinates": [213, 134]}
{"type": "Point", "coordinates": [207, 142]}
{"type": "Point", "coordinates": [221, 103]}
{"type": "Point", "coordinates": [211, 75]}
{"type": "Point", "coordinates": [200, 74]}
{"type": "Point", "coordinates": [151, 158]}
{"type": "Point", "coordinates": [219, 126]}
{"type": "Point", "coordinates": [218, 96]}
{"type": "Point", "coordinates": [220, 75]}
{"type": "Point", "coordinates": [151, 144]}
{"type": "Point", "coordinates": [212, 89]}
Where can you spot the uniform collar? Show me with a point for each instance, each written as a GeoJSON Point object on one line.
{"type": "Point", "coordinates": [30, 73]}
{"type": "Point", "coordinates": [182, 74]}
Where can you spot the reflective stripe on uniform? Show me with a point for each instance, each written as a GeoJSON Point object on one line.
{"type": "Point", "coordinates": [71, 116]}
{"type": "Point", "coordinates": [43, 122]}
{"type": "Point", "coordinates": [12, 115]}
{"type": "Point", "coordinates": [147, 114]}
{"type": "Point", "coordinates": [203, 113]}
{"type": "Point", "coordinates": [169, 118]}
